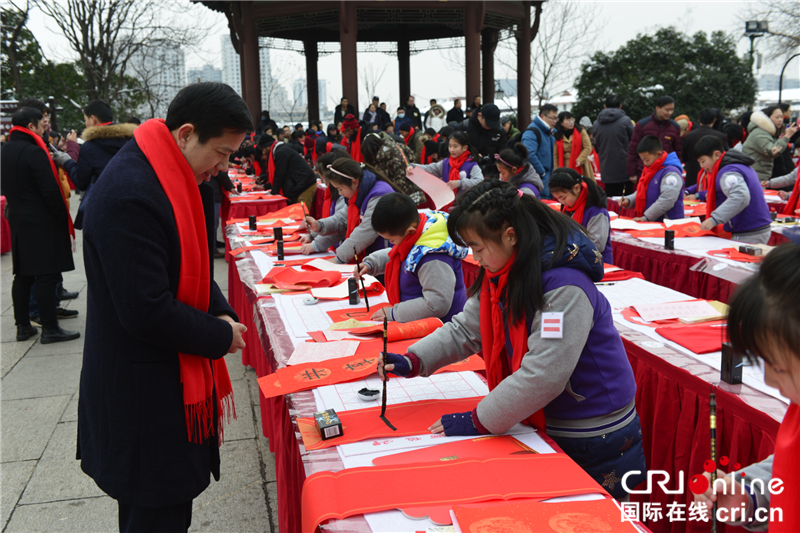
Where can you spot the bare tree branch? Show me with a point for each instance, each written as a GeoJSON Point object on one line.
{"type": "Point", "coordinates": [783, 38]}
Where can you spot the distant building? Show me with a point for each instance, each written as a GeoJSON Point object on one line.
{"type": "Point", "coordinates": [231, 74]}
{"type": "Point", "coordinates": [207, 73]}
{"type": "Point", "coordinates": [770, 82]}
{"type": "Point", "coordinates": [300, 94]}
{"type": "Point", "coordinates": [273, 95]}
{"type": "Point", "coordinates": [162, 73]}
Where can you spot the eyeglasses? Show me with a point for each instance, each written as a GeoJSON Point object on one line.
{"type": "Point", "coordinates": [551, 117]}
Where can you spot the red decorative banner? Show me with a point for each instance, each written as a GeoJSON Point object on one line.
{"type": "Point", "coordinates": [329, 495]}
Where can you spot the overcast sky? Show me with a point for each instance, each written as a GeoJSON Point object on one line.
{"type": "Point", "coordinates": [434, 73]}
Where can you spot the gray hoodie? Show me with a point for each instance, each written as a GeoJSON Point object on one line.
{"type": "Point", "coordinates": [528, 175]}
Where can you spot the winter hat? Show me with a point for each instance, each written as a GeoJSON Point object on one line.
{"type": "Point", "coordinates": [350, 122]}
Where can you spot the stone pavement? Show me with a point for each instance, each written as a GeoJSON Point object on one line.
{"type": "Point", "coordinates": [42, 487]}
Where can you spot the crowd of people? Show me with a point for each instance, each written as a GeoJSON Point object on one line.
{"type": "Point", "coordinates": [158, 326]}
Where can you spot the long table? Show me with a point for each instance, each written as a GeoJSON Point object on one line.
{"type": "Point", "coordinates": [672, 392]}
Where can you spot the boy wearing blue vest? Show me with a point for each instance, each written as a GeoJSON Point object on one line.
{"type": "Point", "coordinates": [422, 269]}
{"type": "Point", "coordinates": [659, 192]}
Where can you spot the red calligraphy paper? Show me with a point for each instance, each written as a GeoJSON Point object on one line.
{"type": "Point", "coordinates": [299, 262]}
{"type": "Point", "coordinates": [311, 375]}
{"type": "Point", "coordinates": [411, 418]}
{"type": "Point", "coordinates": [472, 363]}
{"type": "Point", "coordinates": [291, 276]}
{"type": "Point", "coordinates": [294, 211]}
{"type": "Point", "coordinates": [397, 331]}
{"type": "Point", "coordinates": [359, 313]}
{"type": "Point", "coordinates": [736, 255]}
{"type": "Point", "coordinates": [620, 275]}
{"type": "Point", "coordinates": [329, 495]}
{"type": "Point", "coordinates": [698, 338]}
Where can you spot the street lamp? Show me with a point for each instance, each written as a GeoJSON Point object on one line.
{"type": "Point", "coordinates": [499, 93]}
{"type": "Point", "coordinates": [755, 29]}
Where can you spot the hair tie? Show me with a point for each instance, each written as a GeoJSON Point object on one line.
{"type": "Point", "coordinates": [330, 167]}
{"type": "Point", "coordinates": [519, 191]}
{"type": "Point", "coordinates": [506, 163]}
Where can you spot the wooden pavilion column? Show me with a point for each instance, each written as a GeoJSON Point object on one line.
{"type": "Point", "coordinates": [488, 46]}
{"type": "Point", "coordinates": [473, 22]}
{"type": "Point", "coordinates": [404, 66]}
{"type": "Point", "coordinates": [312, 79]}
{"type": "Point", "coordinates": [251, 84]}
{"type": "Point", "coordinates": [348, 36]}
{"type": "Point", "coordinates": [524, 36]}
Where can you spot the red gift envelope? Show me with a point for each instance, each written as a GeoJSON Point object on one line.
{"type": "Point", "coordinates": [528, 516]}
{"type": "Point", "coordinates": [329, 495]}
{"type": "Point", "coordinates": [397, 331]}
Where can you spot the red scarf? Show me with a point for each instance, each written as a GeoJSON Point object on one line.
{"type": "Point", "coordinates": [408, 137]}
{"type": "Point", "coordinates": [493, 335]}
{"type": "Point", "coordinates": [576, 211]}
{"type": "Point", "coordinates": [353, 215]}
{"type": "Point", "coordinates": [257, 168]}
{"type": "Point", "coordinates": [794, 200]}
{"type": "Point", "coordinates": [198, 379]}
{"type": "Point", "coordinates": [711, 187]}
{"type": "Point", "coordinates": [573, 153]}
{"type": "Point", "coordinates": [455, 166]}
{"type": "Point", "coordinates": [786, 466]}
{"type": "Point", "coordinates": [644, 182]}
{"type": "Point", "coordinates": [423, 155]}
{"type": "Point", "coordinates": [326, 202]}
{"type": "Point", "coordinates": [271, 168]}
{"type": "Point", "coordinates": [40, 143]}
{"type": "Point", "coordinates": [398, 254]}
{"type": "Point", "coordinates": [595, 161]}
{"type": "Point", "coordinates": [355, 146]}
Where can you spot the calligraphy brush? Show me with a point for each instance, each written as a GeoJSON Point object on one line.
{"type": "Point", "coordinates": [358, 267]}
{"type": "Point", "coordinates": [385, 375]}
{"type": "Point", "coordinates": [712, 408]}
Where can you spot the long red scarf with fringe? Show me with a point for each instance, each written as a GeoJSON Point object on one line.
{"type": "Point", "coordinates": [573, 153]}
{"type": "Point", "coordinates": [40, 143]}
{"type": "Point", "coordinates": [493, 335]}
{"type": "Point", "coordinates": [644, 183]}
{"type": "Point", "coordinates": [200, 377]}
{"type": "Point", "coordinates": [398, 254]}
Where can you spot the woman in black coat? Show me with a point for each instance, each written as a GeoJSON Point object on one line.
{"type": "Point", "coordinates": [293, 177]}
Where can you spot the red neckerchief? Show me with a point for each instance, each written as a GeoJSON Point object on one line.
{"type": "Point", "coordinates": [455, 166]}
{"type": "Point", "coordinates": [794, 200]}
{"type": "Point", "coordinates": [644, 182]}
{"type": "Point", "coordinates": [398, 254]}
{"type": "Point", "coordinates": [573, 153]}
{"type": "Point", "coordinates": [436, 137]}
{"type": "Point", "coordinates": [580, 204]}
{"type": "Point", "coordinates": [40, 143]}
{"type": "Point", "coordinates": [326, 203]}
{"type": "Point", "coordinates": [354, 147]}
{"type": "Point", "coordinates": [493, 335]}
{"type": "Point", "coordinates": [353, 215]}
{"type": "Point", "coordinates": [200, 376]}
{"type": "Point", "coordinates": [271, 168]}
{"type": "Point", "coordinates": [711, 183]}
{"type": "Point", "coordinates": [408, 137]}
{"type": "Point", "coordinates": [785, 466]}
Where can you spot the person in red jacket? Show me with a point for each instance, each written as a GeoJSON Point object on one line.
{"type": "Point", "coordinates": [662, 126]}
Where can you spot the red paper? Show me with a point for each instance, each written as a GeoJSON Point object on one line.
{"type": "Point", "coordinates": [358, 313]}
{"type": "Point", "coordinates": [294, 211]}
{"type": "Point", "coordinates": [311, 375]}
{"type": "Point", "coordinates": [411, 418]}
{"type": "Point", "coordinates": [698, 338]}
{"type": "Point", "coordinates": [631, 315]}
{"type": "Point", "coordinates": [298, 262]}
{"type": "Point", "coordinates": [736, 255]}
{"type": "Point", "coordinates": [472, 363]}
{"type": "Point", "coordinates": [595, 516]}
{"type": "Point", "coordinates": [439, 191]}
{"type": "Point", "coordinates": [397, 331]}
{"type": "Point", "coordinates": [690, 229]}
{"type": "Point", "coordinates": [329, 495]}
{"type": "Point", "coordinates": [290, 276]}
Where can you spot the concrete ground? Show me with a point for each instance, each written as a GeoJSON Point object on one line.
{"type": "Point", "coordinates": [42, 487]}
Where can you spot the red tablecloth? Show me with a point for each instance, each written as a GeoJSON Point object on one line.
{"type": "Point", "coordinates": [5, 229]}
{"type": "Point", "coordinates": [672, 392]}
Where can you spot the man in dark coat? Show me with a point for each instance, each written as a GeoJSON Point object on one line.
{"type": "Point", "coordinates": [102, 140]}
{"type": "Point", "coordinates": [456, 114]}
{"type": "Point", "coordinates": [292, 176]}
{"type": "Point", "coordinates": [485, 132]}
{"type": "Point", "coordinates": [612, 133]}
{"type": "Point", "coordinates": [132, 423]}
{"type": "Point", "coordinates": [342, 110]}
{"type": "Point", "coordinates": [661, 125]}
{"type": "Point", "coordinates": [707, 119]}
{"type": "Point", "coordinates": [41, 248]}
{"type": "Point", "coordinates": [412, 113]}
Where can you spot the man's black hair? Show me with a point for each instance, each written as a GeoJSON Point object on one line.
{"type": "Point", "coordinates": [546, 108]}
{"type": "Point", "coordinates": [707, 145]}
{"type": "Point", "coordinates": [134, 120]}
{"type": "Point", "coordinates": [99, 109]}
{"type": "Point", "coordinates": [612, 100]}
{"type": "Point", "coordinates": [784, 106]}
{"type": "Point", "coordinates": [394, 214]}
{"type": "Point", "coordinates": [213, 108]}
{"type": "Point", "coordinates": [26, 115]}
{"type": "Point", "coordinates": [433, 100]}
{"type": "Point", "coordinates": [661, 101]}
{"type": "Point", "coordinates": [401, 108]}
{"type": "Point", "coordinates": [34, 103]}
{"type": "Point", "coordinates": [734, 133]}
{"type": "Point", "coordinates": [707, 116]}
{"type": "Point", "coordinates": [296, 134]}
{"type": "Point", "coordinates": [431, 132]}
{"type": "Point", "coordinates": [298, 126]}
{"type": "Point", "coordinates": [649, 144]}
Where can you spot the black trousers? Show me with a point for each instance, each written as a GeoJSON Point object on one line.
{"type": "Point", "coordinates": [172, 519]}
{"type": "Point", "coordinates": [45, 297]}
{"type": "Point", "coordinates": [619, 189]}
